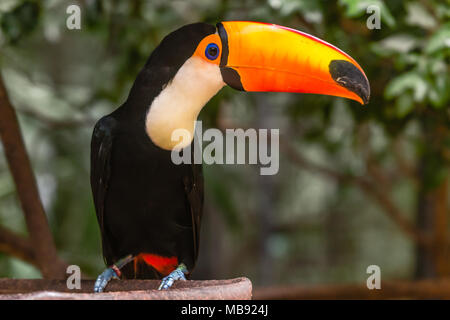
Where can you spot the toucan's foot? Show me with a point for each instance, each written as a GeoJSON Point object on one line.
{"type": "Point", "coordinates": [104, 278]}
{"type": "Point", "coordinates": [177, 274]}
{"type": "Point", "coordinates": [110, 273]}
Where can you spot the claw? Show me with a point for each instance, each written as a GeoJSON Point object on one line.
{"type": "Point", "coordinates": [177, 274]}
{"type": "Point", "coordinates": [104, 278]}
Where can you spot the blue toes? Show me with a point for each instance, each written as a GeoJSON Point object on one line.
{"type": "Point", "coordinates": [167, 282]}
{"type": "Point", "coordinates": [104, 278]}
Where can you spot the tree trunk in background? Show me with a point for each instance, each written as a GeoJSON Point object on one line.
{"type": "Point", "coordinates": [432, 260]}
{"type": "Point", "coordinates": [441, 252]}
{"type": "Point", "coordinates": [265, 208]}
{"type": "Point", "coordinates": [424, 258]}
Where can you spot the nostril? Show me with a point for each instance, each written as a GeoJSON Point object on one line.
{"type": "Point", "coordinates": [350, 77]}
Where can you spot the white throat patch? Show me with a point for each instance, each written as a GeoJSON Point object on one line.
{"type": "Point", "coordinates": [180, 102]}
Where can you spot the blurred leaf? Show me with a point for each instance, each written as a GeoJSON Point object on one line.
{"type": "Point", "coordinates": [405, 82]}
{"type": "Point", "coordinates": [443, 10]}
{"type": "Point", "coordinates": [397, 43]}
{"type": "Point", "coordinates": [404, 105]}
{"type": "Point", "coordinates": [19, 22]}
{"type": "Point", "coordinates": [440, 40]}
{"type": "Point", "coordinates": [357, 8]}
{"type": "Point", "coordinates": [311, 10]}
{"type": "Point", "coordinates": [439, 94]}
{"type": "Point", "coordinates": [94, 13]}
{"type": "Point", "coordinates": [417, 15]}
{"type": "Point", "coordinates": [7, 5]}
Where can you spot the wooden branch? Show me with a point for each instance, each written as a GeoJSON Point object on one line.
{"type": "Point", "coordinates": [56, 123]}
{"type": "Point", "coordinates": [426, 289]}
{"type": "Point", "coordinates": [302, 162]}
{"type": "Point", "coordinates": [406, 168]}
{"type": "Point", "coordinates": [377, 193]}
{"type": "Point", "coordinates": [385, 201]}
{"type": "Point", "coordinates": [27, 191]}
{"type": "Point", "coordinates": [16, 246]}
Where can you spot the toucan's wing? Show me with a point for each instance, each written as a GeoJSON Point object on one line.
{"type": "Point", "coordinates": [101, 148]}
{"type": "Point", "coordinates": [195, 195]}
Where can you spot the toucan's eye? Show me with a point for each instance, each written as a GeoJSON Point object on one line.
{"type": "Point", "coordinates": [212, 51]}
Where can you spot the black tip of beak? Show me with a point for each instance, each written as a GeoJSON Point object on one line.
{"type": "Point", "coordinates": [350, 77]}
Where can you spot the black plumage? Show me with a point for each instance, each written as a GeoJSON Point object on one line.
{"type": "Point", "coordinates": [144, 202]}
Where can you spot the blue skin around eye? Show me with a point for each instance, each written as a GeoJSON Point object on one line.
{"type": "Point", "coordinates": [211, 57]}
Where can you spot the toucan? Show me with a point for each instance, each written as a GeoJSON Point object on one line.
{"type": "Point", "coordinates": [149, 209]}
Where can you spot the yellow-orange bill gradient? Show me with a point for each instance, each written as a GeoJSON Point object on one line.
{"type": "Point", "coordinates": [269, 57]}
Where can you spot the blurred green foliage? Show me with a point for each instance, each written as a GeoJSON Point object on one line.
{"type": "Point", "coordinates": [319, 229]}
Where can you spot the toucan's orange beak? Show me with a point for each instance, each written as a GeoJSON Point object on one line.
{"type": "Point", "coordinates": [267, 57]}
